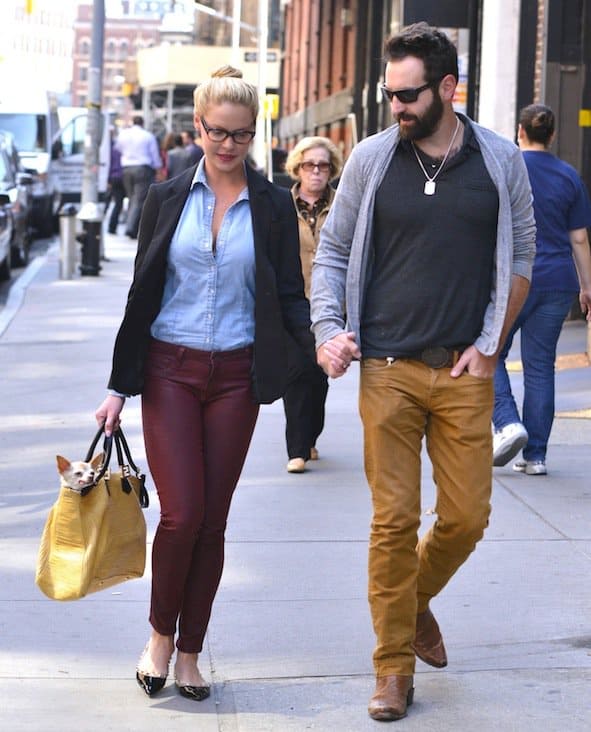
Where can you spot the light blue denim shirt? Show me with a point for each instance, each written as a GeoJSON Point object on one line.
{"type": "Point", "coordinates": [208, 300]}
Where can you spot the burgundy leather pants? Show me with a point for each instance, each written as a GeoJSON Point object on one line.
{"type": "Point", "coordinates": [198, 417]}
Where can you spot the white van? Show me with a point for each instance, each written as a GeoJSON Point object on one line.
{"type": "Point", "coordinates": [67, 155]}
{"type": "Point", "coordinates": [33, 122]}
{"type": "Point", "coordinates": [50, 142]}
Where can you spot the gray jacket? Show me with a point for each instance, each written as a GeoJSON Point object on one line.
{"type": "Point", "coordinates": [340, 267]}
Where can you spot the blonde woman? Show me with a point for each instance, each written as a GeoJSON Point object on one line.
{"type": "Point", "coordinates": [313, 163]}
{"type": "Point", "coordinates": [217, 279]}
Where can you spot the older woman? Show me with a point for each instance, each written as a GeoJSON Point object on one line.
{"type": "Point", "coordinates": [217, 281]}
{"type": "Point", "coordinates": [313, 163]}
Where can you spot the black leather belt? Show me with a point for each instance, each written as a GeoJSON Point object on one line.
{"type": "Point", "coordinates": [437, 357]}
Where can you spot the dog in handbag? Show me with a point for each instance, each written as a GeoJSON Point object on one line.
{"type": "Point", "coordinates": [78, 474]}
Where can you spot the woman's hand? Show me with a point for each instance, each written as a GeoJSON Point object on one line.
{"type": "Point", "coordinates": [585, 302]}
{"type": "Point", "coordinates": [108, 413]}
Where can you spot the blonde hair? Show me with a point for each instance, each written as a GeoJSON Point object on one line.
{"type": "Point", "coordinates": [225, 85]}
{"type": "Point", "coordinates": [294, 159]}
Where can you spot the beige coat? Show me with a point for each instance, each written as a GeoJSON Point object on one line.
{"type": "Point", "coordinates": [309, 239]}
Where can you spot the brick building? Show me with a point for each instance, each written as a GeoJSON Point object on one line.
{"type": "Point", "coordinates": [125, 34]}
{"type": "Point", "coordinates": [511, 53]}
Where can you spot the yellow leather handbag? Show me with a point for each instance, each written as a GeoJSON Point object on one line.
{"type": "Point", "coordinates": [97, 538]}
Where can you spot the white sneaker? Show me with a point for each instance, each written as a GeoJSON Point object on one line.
{"type": "Point", "coordinates": [530, 467]}
{"type": "Point", "coordinates": [507, 442]}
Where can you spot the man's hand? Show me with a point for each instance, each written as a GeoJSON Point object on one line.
{"type": "Point", "coordinates": [335, 355]}
{"type": "Point", "coordinates": [475, 363]}
{"type": "Point", "coordinates": [108, 413]}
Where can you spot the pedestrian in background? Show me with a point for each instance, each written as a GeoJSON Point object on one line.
{"type": "Point", "coordinates": [562, 268]}
{"type": "Point", "coordinates": [423, 264]}
{"type": "Point", "coordinates": [194, 150]}
{"type": "Point", "coordinates": [278, 160]}
{"type": "Point", "coordinates": [177, 156]}
{"type": "Point", "coordinates": [217, 280]}
{"type": "Point", "coordinates": [115, 189]}
{"type": "Point", "coordinates": [140, 159]}
{"type": "Point", "coordinates": [312, 163]}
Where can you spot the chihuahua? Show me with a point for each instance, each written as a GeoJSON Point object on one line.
{"type": "Point", "coordinates": [79, 474]}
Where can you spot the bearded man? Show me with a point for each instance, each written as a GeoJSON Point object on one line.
{"type": "Point", "coordinates": [423, 264]}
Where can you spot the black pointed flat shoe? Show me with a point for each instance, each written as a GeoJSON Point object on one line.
{"type": "Point", "coordinates": [197, 693]}
{"type": "Point", "coordinates": [150, 684]}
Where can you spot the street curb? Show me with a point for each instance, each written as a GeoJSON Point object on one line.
{"type": "Point", "coordinates": [17, 291]}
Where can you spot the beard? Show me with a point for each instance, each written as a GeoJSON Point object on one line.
{"type": "Point", "coordinates": [425, 125]}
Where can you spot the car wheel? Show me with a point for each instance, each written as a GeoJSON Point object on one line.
{"type": "Point", "coordinates": [19, 257]}
{"type": "Point", "coordinates": [5, 268]}
{"type": "Point", "coordinates": [19, 252]}
{"type": "Point", "coordinates": [46, 227]}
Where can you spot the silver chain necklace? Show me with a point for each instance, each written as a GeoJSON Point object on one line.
{"type": "Point", "coordinates": [429, 188]}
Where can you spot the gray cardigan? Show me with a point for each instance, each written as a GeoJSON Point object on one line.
{"type": "Point", "coordinates": [340, 266]}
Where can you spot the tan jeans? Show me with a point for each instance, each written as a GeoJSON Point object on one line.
{"type": "Point", "coordinates": [399, 404]}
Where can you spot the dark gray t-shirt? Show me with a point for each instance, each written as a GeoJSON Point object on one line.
{"type": "Point", "coordinates": [432, 257]}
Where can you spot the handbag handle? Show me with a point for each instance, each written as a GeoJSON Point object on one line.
{"type": "Point", "coordinates": [107, 449]}
{"type": "Point", "coordinates": [121, 446]}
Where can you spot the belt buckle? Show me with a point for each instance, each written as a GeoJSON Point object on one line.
{"type": "Point", "coordinates": [436, 357]}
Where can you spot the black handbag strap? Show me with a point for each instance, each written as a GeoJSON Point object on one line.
{"type": "Point", "coordinates": [94, 443]}
{"type": "Point", "coordinates": [121, 447]}
{"type": "Point", "coordinates": [107, 449]}
{"type": "Point", "coordinates": [122, 442]}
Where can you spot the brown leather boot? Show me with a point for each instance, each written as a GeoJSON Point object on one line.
{"type": "Point", "coordinates": [392, 696]}
{"type": "Point", "coordinates": [428, 643]}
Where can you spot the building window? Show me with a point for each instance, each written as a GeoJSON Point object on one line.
{"type": "Point", "coordinates": [83, 73]}
{"type": "Point", "coordinates": [84, 47]}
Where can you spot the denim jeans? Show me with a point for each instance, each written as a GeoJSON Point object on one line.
{"type": "Point", "coordinates": [540, 322]}
{"type": "Point", "coordinates": [400, 404]}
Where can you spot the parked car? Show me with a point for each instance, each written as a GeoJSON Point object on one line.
{"type": "Point", "coordinates": [5, 236]}
{"type": "Point", "coordinates": [32, 117]}
{"type": "Point", "coordinates": [18, 186]}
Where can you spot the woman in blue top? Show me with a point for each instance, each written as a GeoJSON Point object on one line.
{"type": "Point", "coordinates": [562, 268]}
{"type": "Point", "coordinates": [217, 283]}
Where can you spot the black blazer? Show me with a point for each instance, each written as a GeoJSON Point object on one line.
{"type": "Point", "coordinates": [280, 303]}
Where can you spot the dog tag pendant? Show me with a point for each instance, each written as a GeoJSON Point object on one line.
{"type": "Point", "coordinates": [429, 188]}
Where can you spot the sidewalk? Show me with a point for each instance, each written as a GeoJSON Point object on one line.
{"type": "Point", "coordinates": [290, 641]}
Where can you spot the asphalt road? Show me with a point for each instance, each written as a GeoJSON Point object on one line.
{"type": "Point", "coordinates": [38, 248]}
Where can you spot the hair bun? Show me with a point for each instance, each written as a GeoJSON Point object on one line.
{"type": "Point", "coordinates": [227, 71]}
{"type": "Point", "coordinates": [542, 119]}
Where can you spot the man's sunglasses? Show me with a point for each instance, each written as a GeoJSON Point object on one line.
{"type": "Point", "coordinates": [406, 96]}
{"type": "Point", "coordinates": [217, 134]}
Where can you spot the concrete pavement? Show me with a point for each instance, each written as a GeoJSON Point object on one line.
{"type": "Point", "coordinates": [290, 641]}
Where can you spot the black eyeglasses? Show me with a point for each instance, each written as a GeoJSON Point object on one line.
{"type": "Point", "coordinates": [309, 166]}
{"type": "Point", "coordinates": [218, 134]}
{"type": "Point", "coordinates": [406, 96]}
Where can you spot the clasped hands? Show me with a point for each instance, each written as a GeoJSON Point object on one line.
{"type": "Point", "coordinates": [335, 356]}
